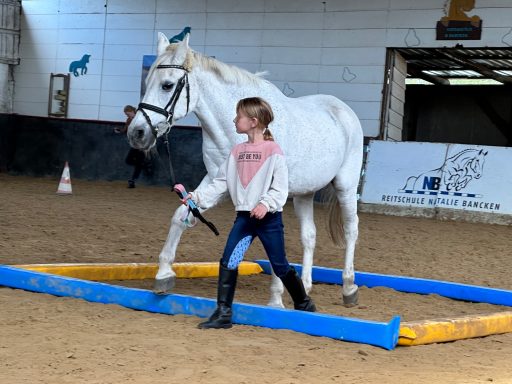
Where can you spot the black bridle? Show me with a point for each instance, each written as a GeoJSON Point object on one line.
{"type": "Point", "coordinates": [168, 110]}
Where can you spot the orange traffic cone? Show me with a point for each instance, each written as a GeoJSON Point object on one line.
{"type": "Point", "coordinates": [65, 182]}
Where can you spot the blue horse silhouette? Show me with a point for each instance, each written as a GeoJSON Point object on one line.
{"type": "Point", "coordinates": [79, 64]}
{"type": "Point", "coordinates": [180, 36]}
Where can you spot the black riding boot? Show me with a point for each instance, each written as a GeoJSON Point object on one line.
{"type": "Point", "coordinates": [295, 287]}
{"type": "Point", "coordinates": [221, 318]}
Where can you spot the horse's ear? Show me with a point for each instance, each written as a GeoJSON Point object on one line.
{"type": "Point", "coordinates": [163, 43]}
{"type": "Point", "coordinates": [185, 40]}
{"type": "Point", "coordinates": [182, 50]}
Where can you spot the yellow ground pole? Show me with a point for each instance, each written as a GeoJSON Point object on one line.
{"type": "Point", "coordinates": [135, 271]}
{"type": "Point", "coordinates": [438, 331]}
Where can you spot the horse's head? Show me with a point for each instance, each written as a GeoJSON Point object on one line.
{"type": "Point", "coordinates": [85, 59]}
{"type": "Point", "coordinates": [477, 164]}
{"type": "Point", "coordinates": [168, 96]}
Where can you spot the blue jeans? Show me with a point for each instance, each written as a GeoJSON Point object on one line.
{"type": "Point", "coordinates": [271, 234]}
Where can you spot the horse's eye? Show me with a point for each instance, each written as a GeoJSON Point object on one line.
{"type": "Point", "coordinates": [167, 86]}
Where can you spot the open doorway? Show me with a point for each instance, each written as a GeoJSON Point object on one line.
{"type": "Point", "coordinates": [450, 95]}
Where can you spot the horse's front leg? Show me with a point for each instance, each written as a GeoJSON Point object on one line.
{"type": "Point", "coordinates": [276, 292]}
{"type": "Point", "coordinates": [166, 278]}
{"type": "Point", "coordinates": [463, 182]}
{"type": "Point", "coordinates": [303, 206]}
{"type": "Point", "coordinates": [304, 211]}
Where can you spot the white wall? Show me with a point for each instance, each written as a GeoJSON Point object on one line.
{"type": "Point", "coordinates": [307, 46]}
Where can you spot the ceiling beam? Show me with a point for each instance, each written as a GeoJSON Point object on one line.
{"type": "Point", "coordinates": [468, 53]}
{"type": "Point", "coordinates": [485, 71]}
{"type": "Point", "coordinates": [417, 73]}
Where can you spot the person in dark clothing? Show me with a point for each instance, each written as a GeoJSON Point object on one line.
{"type": "Point", "coordinates": [135, 157]}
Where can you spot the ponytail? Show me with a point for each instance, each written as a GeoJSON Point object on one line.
{"type": "Point", "coordinates": [267, 135]}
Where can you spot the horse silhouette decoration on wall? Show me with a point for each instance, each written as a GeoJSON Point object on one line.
{"type": "Point", "coordinates": [79, 65]}
{"type": "Point", "coordinates": [320, 135]}
{"type": "Point", "coordinates": [454, 174]}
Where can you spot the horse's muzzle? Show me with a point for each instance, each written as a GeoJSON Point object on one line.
{"type": "Point", "coordinates": [140, 138]}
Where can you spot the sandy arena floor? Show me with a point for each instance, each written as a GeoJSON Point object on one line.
{"type": "Point", "coordinates": [46, 339]}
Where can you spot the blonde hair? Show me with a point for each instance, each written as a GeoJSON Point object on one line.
{"type": "Point", "coordinates": [129, 108]}
{"type": "Point", "coordinates": [256, 107]}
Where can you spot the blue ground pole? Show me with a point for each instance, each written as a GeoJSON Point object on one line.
{"type": "Point", "coordinates": [380, 334]}
{"type": "Point", "coordinates": [452, 290]}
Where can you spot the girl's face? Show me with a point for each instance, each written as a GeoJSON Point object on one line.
{"type": "Point", "coordinates": [129, 113]}
{"type": "Point", "coordinates": [244, 123]}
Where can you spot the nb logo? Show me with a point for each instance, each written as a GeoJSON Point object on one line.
{"type": "Point", "coordinates": [431, 183]}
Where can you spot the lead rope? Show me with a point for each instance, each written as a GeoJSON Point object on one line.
{"type": "Point", "coordinates": [182, 193]}
{"type": "Point", "coordinates": [172, 180]}
{"type": "Point", "coordinates": [172, 176]}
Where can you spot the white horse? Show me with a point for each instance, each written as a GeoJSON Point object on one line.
{"type": "Point", "coordinates": [321, 137]}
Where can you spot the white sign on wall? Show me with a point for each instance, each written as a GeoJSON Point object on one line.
{"type": "Point", "coordinates": [430, 175]}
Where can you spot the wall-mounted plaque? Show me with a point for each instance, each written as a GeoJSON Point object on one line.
{"type": "Point", "coordinates": [457, 25]}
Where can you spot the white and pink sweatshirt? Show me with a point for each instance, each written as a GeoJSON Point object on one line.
{"type": "Point", "coordinates": [252, 174]}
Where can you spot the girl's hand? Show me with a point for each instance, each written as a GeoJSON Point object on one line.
{"type": "Point", "coordinates": [259, 211]}
{"type": "Point", "coordinates": [186, 198]}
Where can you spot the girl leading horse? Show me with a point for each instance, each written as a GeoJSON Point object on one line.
{"type": "Point", "coordinates": [319, 134]}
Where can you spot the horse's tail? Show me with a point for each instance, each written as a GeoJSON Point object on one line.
{"type": "Point", "coordinates": [334, 219]}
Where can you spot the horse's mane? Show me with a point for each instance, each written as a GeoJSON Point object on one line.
{"type": "Point", "coordinates": [228, 73]}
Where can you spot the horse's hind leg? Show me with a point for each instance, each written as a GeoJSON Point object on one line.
{"type": "Point", "coordinates": [166, 277]}
{"type": "Point", "coordinates": [347, 200]}
{"type": "Point", "coordinates": [303, 206]}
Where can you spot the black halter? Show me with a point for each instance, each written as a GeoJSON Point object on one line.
{"type": "Point", "coordinates": [168, 110]}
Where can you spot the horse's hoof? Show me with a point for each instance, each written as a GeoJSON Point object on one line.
{"type": "Point", "coordinates": [351, 300]}
{"type": "Point", "coordinates": [163, 286]}
{"type": "Point", "coordinates": [275, 304]}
